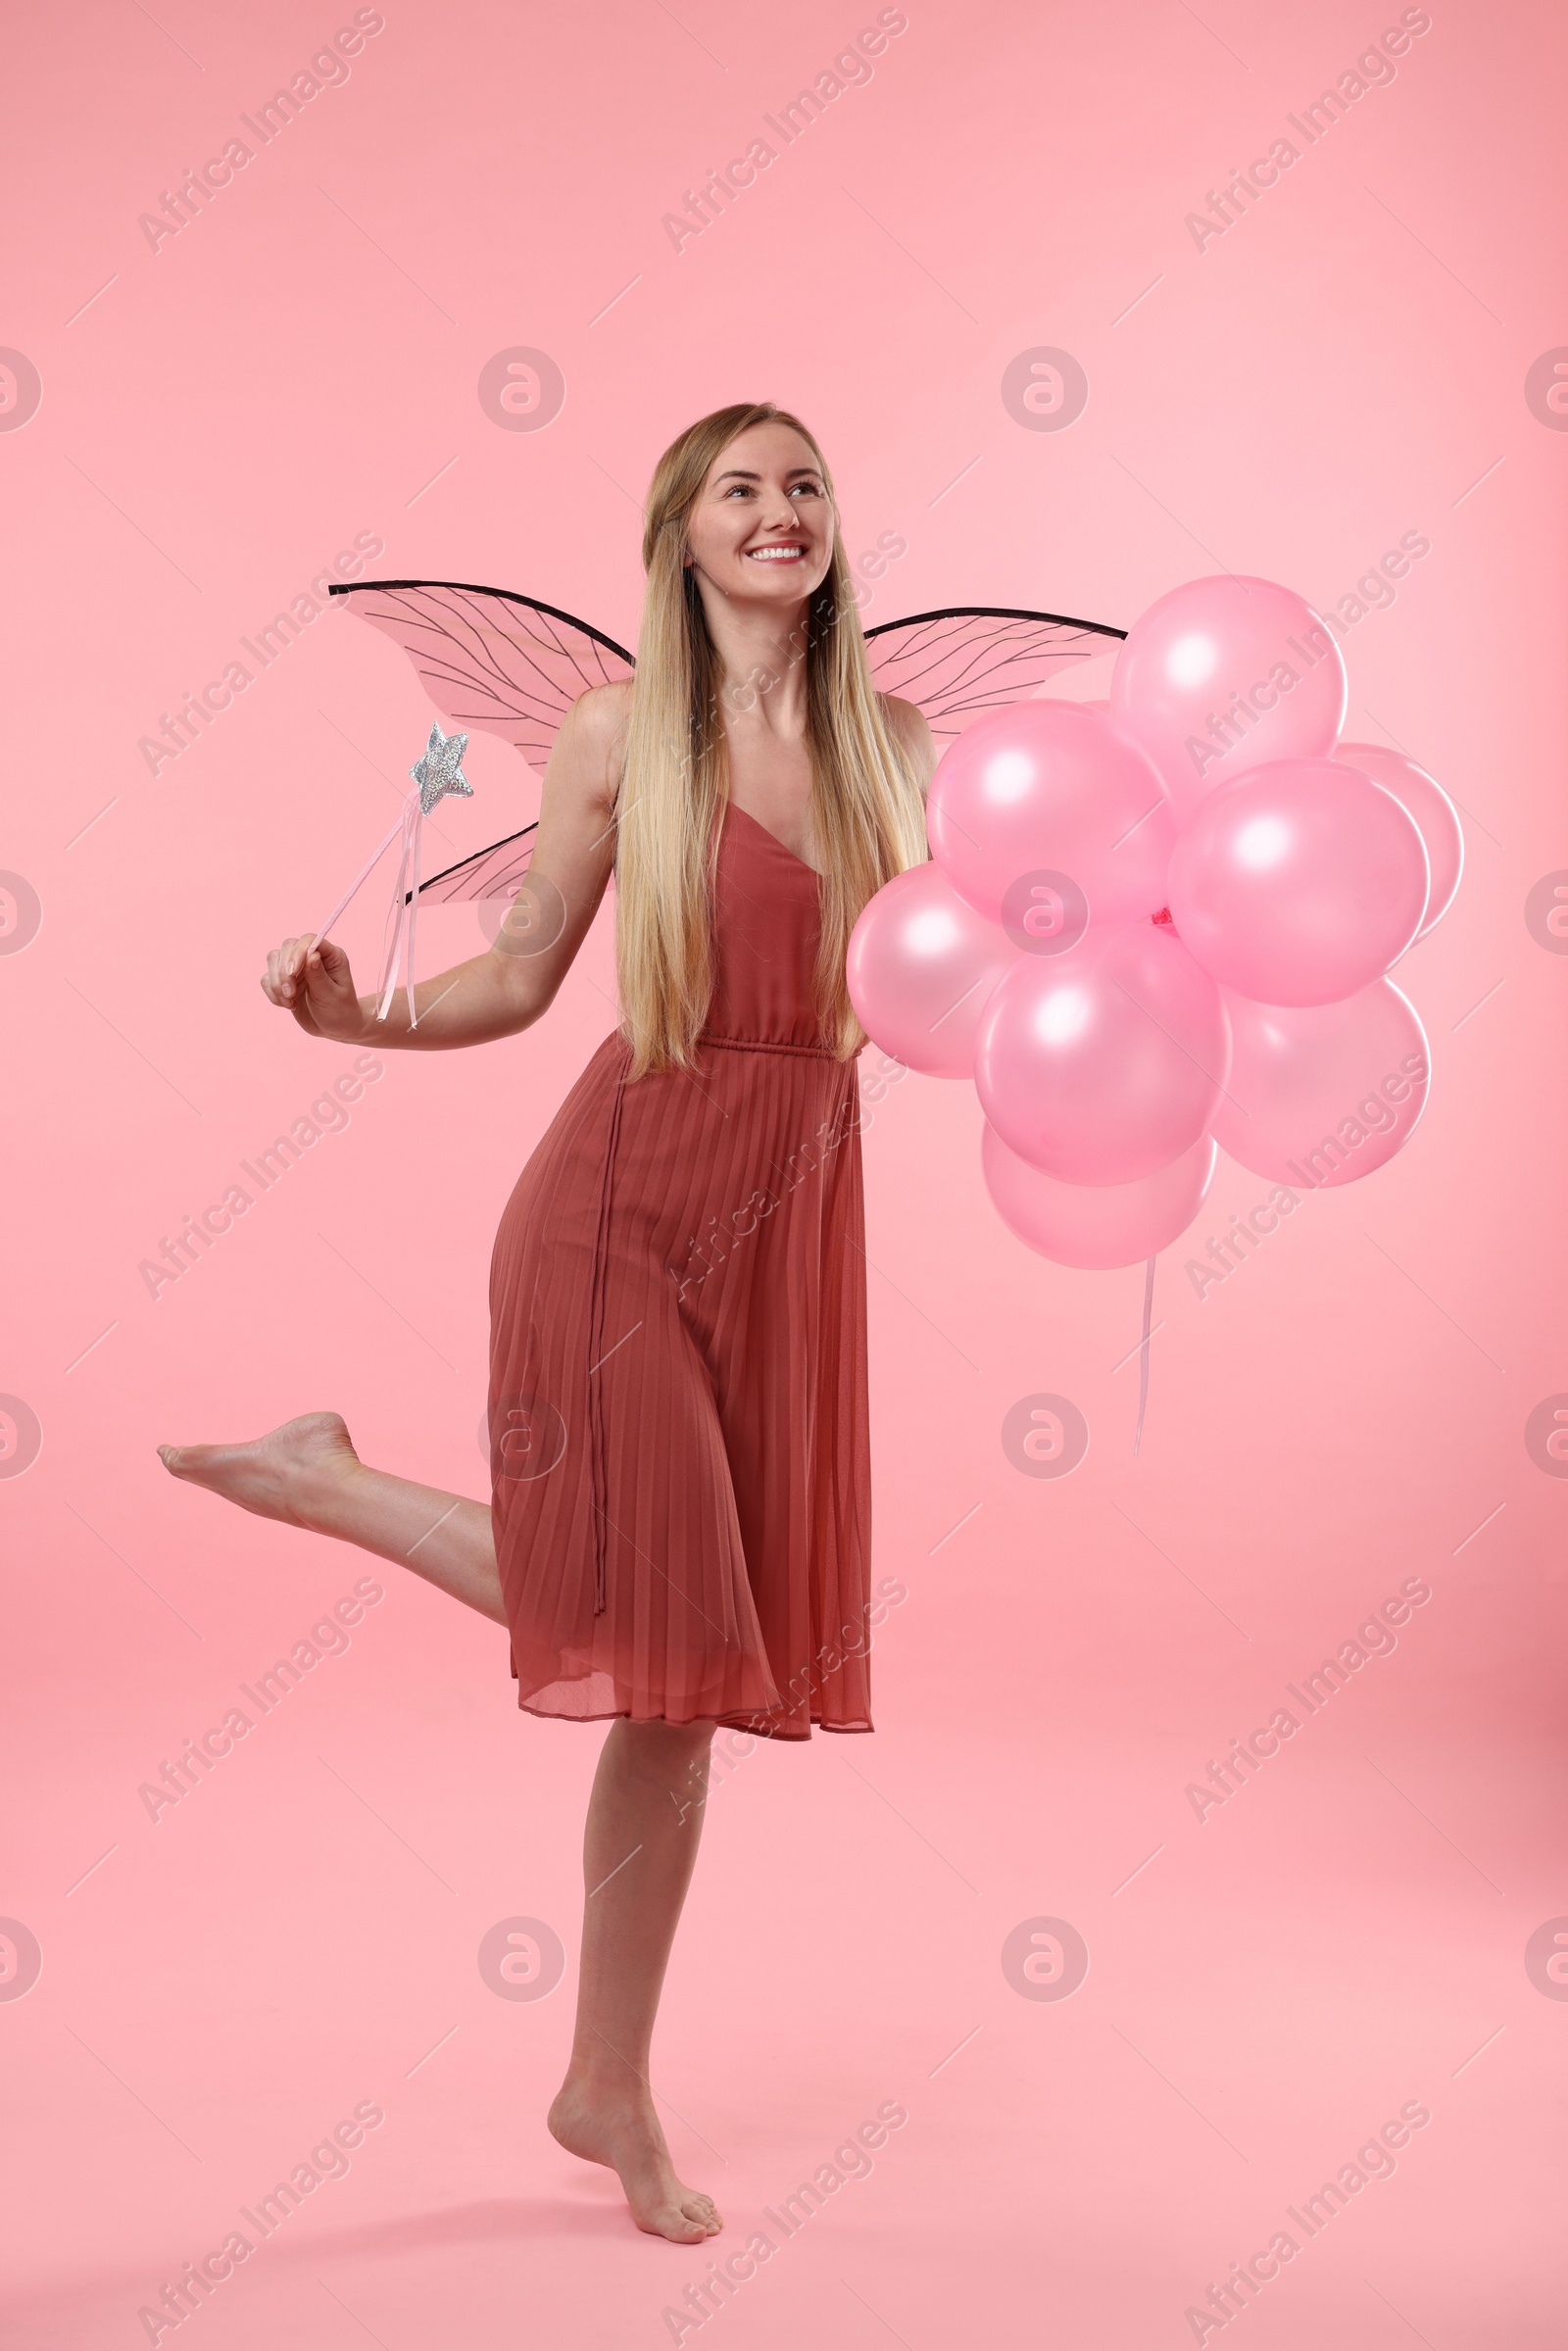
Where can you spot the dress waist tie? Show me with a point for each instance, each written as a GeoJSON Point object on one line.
{"type": "Point", "coordinates": [596, 1352]}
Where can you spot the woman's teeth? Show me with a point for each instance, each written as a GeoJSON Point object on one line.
{"type": "Point", "coordinates": [775, 555]}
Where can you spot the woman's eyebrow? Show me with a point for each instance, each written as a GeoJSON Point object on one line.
{"type": "Point", "coordinates": [742, 473]}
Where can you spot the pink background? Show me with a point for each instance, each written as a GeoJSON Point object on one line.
{"type": "Point", "coordinates": [1265, 1988]}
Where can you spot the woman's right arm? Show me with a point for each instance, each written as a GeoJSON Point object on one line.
{"type": "Point", "coordinates": [514, 981]}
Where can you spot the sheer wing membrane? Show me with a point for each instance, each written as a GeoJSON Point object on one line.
{"type": "Point", "coordinates": [505, 664]}
{"type": "Point", "coordinates": [955, 664]}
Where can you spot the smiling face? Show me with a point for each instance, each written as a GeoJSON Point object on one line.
{"type": "Point", "coordinates": [762, 528]}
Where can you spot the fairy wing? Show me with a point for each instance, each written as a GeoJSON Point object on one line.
{"type": "Point", "coordinates": [505, 664]}
{"type": "Point", "coordinates": [513, 667]}
{"type": "Point", "coordinates": [488, 658]}
{"type": "Point", "coordinates": [957, 663]}
{"type": "Point", "coordinates": [954, 665]}
{"type": "Point", "coordinates": [493, 873]}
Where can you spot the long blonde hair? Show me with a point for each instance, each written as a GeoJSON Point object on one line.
{"type": "Point", "coordinates": [865, 793]}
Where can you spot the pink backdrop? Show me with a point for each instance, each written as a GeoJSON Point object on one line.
{"type": "Point", "coordinates": [1365, 351]}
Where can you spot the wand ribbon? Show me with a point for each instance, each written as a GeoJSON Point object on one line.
{"type": "Point", "coordinates": [437, 773]}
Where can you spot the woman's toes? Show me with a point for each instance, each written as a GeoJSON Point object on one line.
{"type": "Point", "coordinates": [677, 2227]}
{"type": "Point", "coordinates": [281, 1475]}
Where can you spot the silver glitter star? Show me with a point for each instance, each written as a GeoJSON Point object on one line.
{"type": "Point", "coordinates": [440, 771]}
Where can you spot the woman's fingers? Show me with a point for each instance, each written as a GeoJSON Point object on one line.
{"type": "Point", "coordinates": [330, 990]}
{"type": "Point", "coordinates": [285, 966]}
{"type": "Point", "coordinates": [334, 962]}
{"type": "Point", "coordinates": [312, 978]}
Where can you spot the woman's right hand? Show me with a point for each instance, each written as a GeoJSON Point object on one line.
{"type": "Point", "coordinates": [313, 981]}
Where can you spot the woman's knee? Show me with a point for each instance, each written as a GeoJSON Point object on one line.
{"type": "Point", "coordinates": [658, 1744]}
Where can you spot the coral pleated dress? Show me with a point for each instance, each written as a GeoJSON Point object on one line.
{"type": "Point", "coordinates": [679, 1442]}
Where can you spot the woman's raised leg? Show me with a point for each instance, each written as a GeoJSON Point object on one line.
{"type": "Point", "coordinates": [644, 1817]}
{"type": "Point", "coordinates": [644, 1820]}
{"type": "Point", "coordinates": [307, 1473]}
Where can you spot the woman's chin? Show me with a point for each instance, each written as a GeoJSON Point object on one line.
{"type": "Point", "coordinates": [776, 583]}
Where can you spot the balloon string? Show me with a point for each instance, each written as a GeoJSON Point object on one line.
{"type": "Point", "coordinates": [1143, 1352]}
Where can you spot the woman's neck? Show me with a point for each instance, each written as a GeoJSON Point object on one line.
{"type": "Point", "coordinates": [761, 659]}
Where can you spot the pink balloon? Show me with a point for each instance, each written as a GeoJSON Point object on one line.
{"type": "Point", "coordinates": [922, 965]}
{"type": "Point", "coordinates": [1096, 1225]}
{"type": "Point", "coordinates": [1322, 1094]}
{"type": "Point", "coordinates": [1105, 1063]}
{"type": "Point", "coordinates": [1223, 674]}
{"type": "Point", "coordinates": [1298, 884]}
{"type": "Point", "coordinates": [1430, 809]}
{"type": "Point", "coordinates": [1047, 821]}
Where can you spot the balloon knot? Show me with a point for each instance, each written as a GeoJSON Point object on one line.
{"type": "Point", "coordinates": [1162, 916]}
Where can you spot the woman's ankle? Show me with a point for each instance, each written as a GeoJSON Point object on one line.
{"type": "Point", "coordinates": [601, 2081]}
{"type": "Point", "coordinates": [320, 1495]}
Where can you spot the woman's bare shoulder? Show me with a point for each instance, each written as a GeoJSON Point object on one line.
{"type": "Point", "coordinates": [601, 714]}
{"type": "Point", "coordinates": [590, 747]}
{"type": "Point", "coordinates": [908, 722]}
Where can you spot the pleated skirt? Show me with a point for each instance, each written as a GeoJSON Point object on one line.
{"type": "Point", "coordinates": [678, 1412]}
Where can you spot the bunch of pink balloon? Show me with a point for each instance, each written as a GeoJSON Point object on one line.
{"type": "Point", "coordinates": [1167, 921]}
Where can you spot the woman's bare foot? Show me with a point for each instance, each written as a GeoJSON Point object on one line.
{"type": "Point", "coordinates": [604, 2125]}
{"type": "Point", "coordinates": [281, 1475]}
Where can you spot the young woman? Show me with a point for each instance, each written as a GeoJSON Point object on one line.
{"type": "Point", "coordinates": [679, 1529]}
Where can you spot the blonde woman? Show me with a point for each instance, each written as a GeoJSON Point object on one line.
{"type": "Point", "coordinates": [679, 1529]}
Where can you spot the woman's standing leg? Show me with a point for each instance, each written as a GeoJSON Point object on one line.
{"type": "Point", "coordinates": [644, 1820]}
